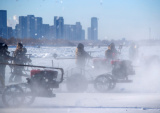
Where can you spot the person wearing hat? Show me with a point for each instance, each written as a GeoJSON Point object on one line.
{"type": "Point", "coordinates": [19, 54]}
{"type": "Point", "coordinates": [81, 55]}
{"type": "Point", "coordinates": [111, 52]}
{"type": "Point", "coordinates": [4, 58]}
{"type": "Point", "coordinates": [19, 58]}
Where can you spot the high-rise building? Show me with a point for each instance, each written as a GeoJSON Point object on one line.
{"type": "Point", "coordinates": [74, 32]}
{"type": "Point", "coordinates": [38, 27]}
{"type": "Point", "coordinates": [17, 31]}
{"type": "Point", "coordinates": [52, 32]}
{"type": "Point", "coordinates": [78, 31]}
{"type": "Point", "coordinates": [67, 32]}
{"type": "Point", "coordinates": [10, 32]}
{"type": "Point", "coordinates": [23, 26]}
{"type": "Point", "coordinates": [83, 35]}
{"type": "Point", "coordinates": [45, 30]}
{"type": "Point", "coordinates": [94, 28]}
{"type": "Point", "coordinates": [89, 33]}
{"type": "Point", "coordinates": [30, 26]}
{"type": "Point", "coordinates": [59, 27]}
{"type": "Point", "coordinates": [3, 23]}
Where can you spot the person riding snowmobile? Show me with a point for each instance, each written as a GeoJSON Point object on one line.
{"type": "Point", "coordinates": [81, 55]}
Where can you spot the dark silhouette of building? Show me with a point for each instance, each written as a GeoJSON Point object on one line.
{"type": "Point", "coordinates": [83, 35]}
{"type": "Point", "coordinates": [59, 27]}
{"type": "Point", "coordinates": [30, 26]}
{"type": "Point", "coordinates": [3, 23]}
{"type": "Point", "coordinates": [38, 27]}
{"type": "Point", "coordinates": [70, 32]}
{"type": "Point", "coordinates": [22, 27]}
{"type": "Point", "coordinates": [52, 32]}
{"type": "Point", "coordinates": [94, 28]}
{"type": "Point", "coordinates": [89, 33]}
{"type": "Point", "coordinates": [10, 32]}
{"type": "Point", "coordinates": [78, 31]}
{"type": "Point", "coordinates": [74, 32]}
{"type": "Point", "coordinates": [17, 31]}
{"type": "Point", "coordinates": [67, 32]}
{"type": "Point", "coordinates": [45, 30]}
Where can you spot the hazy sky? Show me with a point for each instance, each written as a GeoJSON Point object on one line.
{"type": "Point", "coordinates": [130, 19]}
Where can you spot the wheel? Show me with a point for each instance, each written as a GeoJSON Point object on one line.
{"type": "Point", "coordinates": [77, 83]}
{"type": "Point", "coordinates": [103, 83]}
{"type": "Point", "coordinates": [29, 96]}
{"type": "Point", "coordinates": [13, 96]}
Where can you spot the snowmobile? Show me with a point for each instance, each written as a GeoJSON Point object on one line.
{"type": "Point", "coordinates": [40, 84]}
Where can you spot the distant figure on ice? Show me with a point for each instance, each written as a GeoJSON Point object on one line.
{"type": "Point", "coordinates": [81, 55]}
{"type": "Point", "coordinates": [4, 58]}
{"type": "Point", "coordinates": [19, 58]}
{"type": "Point", "coordinates": [111, 52]}
{"type": "Point", "coordinates": [133, 51]}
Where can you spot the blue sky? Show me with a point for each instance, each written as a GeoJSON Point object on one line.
{"type": "Point", "coordinates": [130, 19]}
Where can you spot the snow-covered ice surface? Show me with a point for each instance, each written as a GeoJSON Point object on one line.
{"type": "Point", "coordinates": [140, 96]}
{"type": "Point", "coordinates": [93, 103]}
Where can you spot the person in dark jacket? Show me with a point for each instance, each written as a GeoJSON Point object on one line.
{"type": "Point", "coordinates": [111, 52]}
{"type": "Point", "coordinates": [19, 58]}
{"type": "Point", "coordinates": [4, 58]}
{"type": "Point", "coordinates": [20, 54]}
{"type": "Point", "coordinates": [81, 55]}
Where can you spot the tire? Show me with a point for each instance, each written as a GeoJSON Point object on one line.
{"type": "Point", "coordinates": [76, 83]}
{"type": "Point", "coordinates": [13, 96]}
{"type": "Point", "coordinates": [104, 83]}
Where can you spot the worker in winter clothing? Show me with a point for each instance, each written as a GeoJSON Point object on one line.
{"type": "Point", "coordinates": [81, 55]}
{"type": "Point", "coordinates": [111, 52]}
{"type": "Point", "coordinates": [4, 58]}
{"type": "Point", "coordinates": [19, 58]}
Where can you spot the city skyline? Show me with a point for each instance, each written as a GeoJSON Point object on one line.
{"type": "Point", "coordinates": [33, 27]}
{"type": "Point", "coordinates": [130, 19]}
